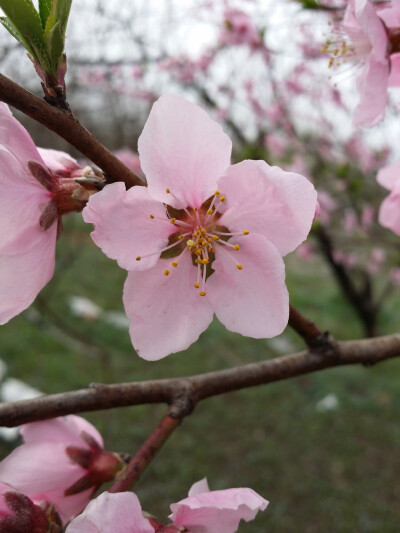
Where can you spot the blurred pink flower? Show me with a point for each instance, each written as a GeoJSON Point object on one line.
{"type": "Point", "coordinates": [203, 237]}
{"type": "Point", "coordinates": [204, 511]}
{"type": "Point", "coordinates": [131, 160]}
{"type": "Point", "coordinates": [238, 28]}
{"type": "Point", "coordinates": [61, 462]}
{"type": "Point", "coordinates": [389, 213]}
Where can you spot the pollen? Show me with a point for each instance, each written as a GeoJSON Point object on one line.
{"type": "Point", "coordinates": [202, 293]}
{"type": "Point", "coordinates": [151, 216]}
{"type": "Point", "coordinates": [166, 272]}
{"type": "Point", "coordinates": [174, 264]}
{"type": "Point", "coordinates": [245, 232]}
{"type": "Point", "coordinates": [239, 266]}
{"type": "Point", "coordinates": [190, 242]}
{"type": "Point", "coordinates": [138, 258]}
{"type": "Point", "coordinates": [203, 231]}
{"type": "Point", "coordinates": [222, 199]}
{"type": "Point", "coordinates": [167, 191]}
{"type": "Point", "coordinates": [236, 247]}
{"type": "Point", "coordinates": [197, 285]}
{"type": "Point", "coordinates": [210, 212]}
{"type": "Point", "coordinates": [217, 193]}
{"type": "Point", "coordinates": [215, 237]}
{"type": "Point", "coordinates": [172, 220]}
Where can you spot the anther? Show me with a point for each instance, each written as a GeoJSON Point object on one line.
{"type": "Point", "coordinates": [166, 272]}
{"type": "Point", "coordinates": [215, 237]}
{"type": "Point", "coordinates": [151, 216]}
{"type": "Point", "coordinates": [239, 267]}
{"type": "Point", "coordinates": [174, 264]}
{"type": "Point", "coordinates": [203, 231]}
{"type": "Point", "coordinates": [138, 258]}
{"type": "Point", "coordinates": [222, 199]}
{"type": "Point", "coordinates": [180, 237]}
{"type": "Point", "coordinates": [197, 285]}
{"type": "Point", "coordinates": [167, 191]}
{"type": "Point", "coordinates": [172, 220]}
{"type": "Point", "coordinates": [245, 232]}
{"type": "Point", "coordinates": [236, 247]}
{"type": "Point", "coordinates": [217, 193]}
{"type": "Point", "coordinates": [202, 293]}
{"type": "Point", "coordinates": [210, 212]}
{"type": "Point", "coordinates": [190, 242]}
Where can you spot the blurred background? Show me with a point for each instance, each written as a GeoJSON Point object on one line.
{"type": "Point", "coordinates": [322, 448]}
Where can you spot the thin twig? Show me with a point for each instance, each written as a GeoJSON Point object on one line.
{"type": "Point", "coordinates": [312, 336]}
{"type": "Point", "coordinates": [184, 393]}
{"type": "Point", "coordinates": [145, 454]}
{"type": "Point", "coordinates": [69, 128]}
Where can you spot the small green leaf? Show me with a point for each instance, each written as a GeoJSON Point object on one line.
{"type": "Point", "coordinates": [44, 11]}
{"type": "Point", "coordinates": [55, 47]}
{"type": "Point", "coordinates": [24, 17]}
{"type": "Point", "coordinates": [59, 13]}
{"type": "Point", "coordinates": [40, 52]}
{"type": "Point", "coordinates": [14, 32]}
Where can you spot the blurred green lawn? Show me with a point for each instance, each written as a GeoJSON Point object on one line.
{"type": "Point", "coordinates": [323, 472]}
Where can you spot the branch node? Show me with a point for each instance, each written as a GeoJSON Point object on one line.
{"type": "Point", "coordinates": [181, 405]}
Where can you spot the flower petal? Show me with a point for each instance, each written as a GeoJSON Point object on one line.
{"type": "Point", "coordinates": [24, 274]}
{"type": "Point", "coordinates": [123, 227]}
{"type": "Point", "coordinates": [388, 176]}
{"type": "Point", "coordinates": [58, 161]}
{"type": "Point", "coordinates": [218, 511]}
{"type": "Point", "coordinates": [199, 487]}
{"type": "Point", "coordinates": [389, 213]}
{"type": "Point", "coordinates": [253, 301]}
{"type": "Point", "coordinates": [167, 313]}
{"type": "Point", "coordinates": [267, 200]}
{"type": "Point", "coordinates": [372, 85]}
{"type": "Point", "coordinates": [116, 513]}
{"type": "Point", "coordinates": [181, 148]}
{"type": "Point", "coordinates": [16, 138]}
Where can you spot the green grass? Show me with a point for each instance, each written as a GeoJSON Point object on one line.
{"type": "Point", "coordinates": [331, 472]}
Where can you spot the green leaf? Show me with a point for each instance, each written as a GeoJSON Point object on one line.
{"type": "Point", "coordinates": [44, 11]}
{"type": "Point", "coordinates": [59, 14]}
{"type": "Point", "coordinates": [40, 52]}
{"type": "Point", "coordinates": [55, 47]}
{"type": "Point", "coordinates": [24, 17]}
{"type": "Point", "coordinates": [14, 32]}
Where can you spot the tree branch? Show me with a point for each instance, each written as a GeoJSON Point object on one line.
{"type": "Point", "coordinates": [146, 453]}
{"type": "Point", "coordinates": [312, 336]}
{"type": "Point", "coordinates": [69, 128]}
{"type": "Point", "coordinates": [184, 393]}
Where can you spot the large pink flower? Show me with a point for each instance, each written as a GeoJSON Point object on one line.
{"type": "Point", "coordinates": [61, 462]}
{"type": "Point", "coordinates": [203, 511]}
{"type": "Point", "coordinates": [203, 237]}
{"type": "Point", "coordinates": [389, 213]}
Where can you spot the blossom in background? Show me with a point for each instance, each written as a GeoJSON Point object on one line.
{"type": "Point", "coordinates": [389, 213]}
{"type": "Point", "coordinates": [203, 237]}
{"type": "Point", "coordinates": [203, 511]}
{"type": "Point", "coordinates": [32, 200]}
{"type": "Point", "coordinates": [367, 42]}
{"type": "Point", "coordinates": [61, 462]}
{"type": "Point", "coordinates": [238, 28]}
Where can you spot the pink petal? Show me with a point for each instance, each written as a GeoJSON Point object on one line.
{"type": "Point", "coordinates": [123, 227]}
{"type": "Point", "coordinates": [199, 487]}
{"type": "Point", "coordinates": [267, 200]}
{"type": "Point", "coordinates": [388, 176]}
{"type": "Point", "coordinates": [372, 84]}
{"type": "Point", "coordinates": [373, 28]}
{"type": "Point", "coordinates": [21, 201]}
{"type": "Point", "coordinates": [394, 76]}
{"type": "Point", "coordinates": [116, 513]}
{"type": "Point", "coordinates": [66, 430]}
{"type": "Point", "coordinates": [391, 15]}
{"type": "Point", "coordinates": [167, 313]}
{"type": "Point", "coordinates": [58, 161]}
{"type": "Point", "coordinates": [389, 213]}
{"type": "Point", "coordinates": [217, 511]}
{"type": "Point", "coordinates": [24, 274]}
{"type": "Point", "coordinates": [183, 150]}
{"type": "Point", "coordinates": [15, 137]}
{"type": "Point", "coordinates": [253, 301]}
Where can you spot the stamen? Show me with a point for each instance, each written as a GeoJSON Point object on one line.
{"type": "Point", "coordinates": [159, 252]}
{"type": "Point", "coordinates": [167, 191]}
{"type": "Point", "coordinates": [202, 293]}
{"type": "Point", "coordinates": [244, 232]}
{"type": "Point", "coordinates": [225, 252]}
{"type": "Point", "coordinates": [151, 216]}
{"type": "Point", "coordinates": [222, 199]}
{"type": "Point", "coordinates": [174, 264]}
{"type": "Point", "coordinates": [197, 285]}
{"type": "Point", "coordinates": [138, 258]}
{"type": "Point", "coordinates": [239, 267]}
{"type": "Point", "coordinates": [166, 272]}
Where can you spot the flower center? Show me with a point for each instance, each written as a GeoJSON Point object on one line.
{"type": "Point", "coordinates": [199, 233]}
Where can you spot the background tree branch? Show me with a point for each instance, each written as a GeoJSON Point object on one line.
{"type": "Point", "coordinates": [184, 393]}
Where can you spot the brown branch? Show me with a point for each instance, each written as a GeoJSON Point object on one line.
{"type": "Point", "coordinates": [184, 393]}
{"type": "Point", "coordinates": [146, 453]}
{"type": "Point", "coordinates": [312, 336]}
{"type": "Point", "coordinates": [69, 128]}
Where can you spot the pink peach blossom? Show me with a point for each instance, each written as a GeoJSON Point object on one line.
{"type": "Point", "coordinates": [27, 239]}
{"type": "Point", "coordinates": [203, 237]}
{"type": "Point", "coordinates": [61, 462]}
{"type": "Point", "coordinates": [389, 213]}
{"type": "Point", "coordinates": [238, 28]}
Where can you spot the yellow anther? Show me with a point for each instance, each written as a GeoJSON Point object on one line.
{"type": "Point", "coordinates": [190, 242]}
{"type": "Point", "coordinates": [151, 216]}
{"type": "Point", "coordinates": [166, 272]}
{"type": "Point", "coordinates": [236, 247]}
{"type": "Point", "coordinates": [203, 231]}
{"type": "Point", "coordinates": [197, 261]}
{"type": "Point", "coordinates": [172, 220]}
{"type": "Point", "coordinates": [217, 193]}
{"type": "Point", "coordinates": [215, 237]}
{"type": "Point", "coordinates": [174, 264]}
{"type": "Point", "coordinates": [222, 198]}
{"type": "Point", "coordinates": [195, 209]}
{"type": "Point", "coordinates": [138, 258]}
{"type": "Point", "coordinates": [180, 237]}
{"type": "Point", "coordinates": [239, 267]}
{"type": "Point", "coordinates": [202, 293]}
{"type": "Point", "coordinates": [245, 232]}
{"type": "Point", "coordinates": [209, 240]}
{"type": "Point", "coordinates": [167, 191]}
{"type": "Point", "coordinates": [196, 285]}
{"type": "Point", "coordinates": [210, 212]}
{"type": "Point", "coordinates": [211, 250]}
